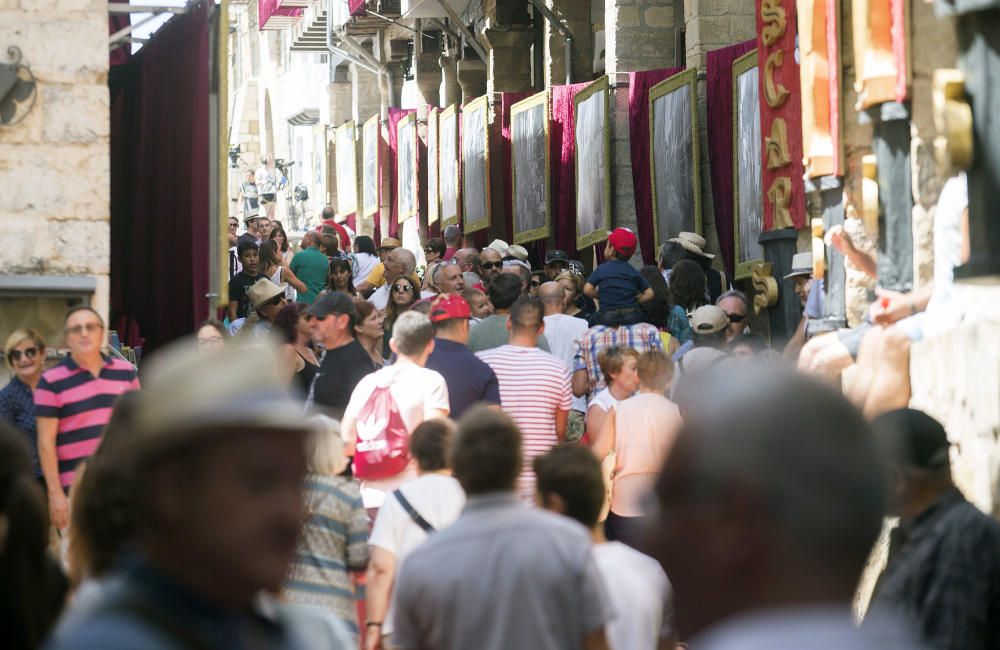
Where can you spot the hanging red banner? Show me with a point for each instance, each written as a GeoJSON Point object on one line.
{"type": "Point", "coordinates": [357, 7]}
{"type": "Point", "coordinates": [780, 116]}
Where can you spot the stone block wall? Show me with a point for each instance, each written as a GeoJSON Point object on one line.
{"type": "Point", "coordinates": [640, 34]}
{"type": "Point", "coordinates": [54, 165]}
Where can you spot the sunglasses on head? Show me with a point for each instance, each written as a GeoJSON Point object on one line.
{"type": "Point", "coordinates": [737, 318]}
{"type": "Point", "coordinates": [402, 288]}
{"type": "Point", "coordinates": [492, 265]}
{"type": "Point", "coordinates": [31, 353]}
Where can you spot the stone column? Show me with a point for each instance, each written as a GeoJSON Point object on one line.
{"type": "Point", "coordinates": [427, 76]}
{"type": "Point", "coordinates": [472, 78]}
{"type": "Point", "coordinates": [709, 25]}
{"type": "Point", "coordinates": [576, 13]}
{"type": "Point", "coordinates": [367, 94]}
{"type": "Point", "coordinates": [825, 200]}
{"type": "Point", "coordinates": [451, 90]}
{"type": "Point", "coordinates": [509, 67]}
{"type": "Point", "coordinates": [639, 36]}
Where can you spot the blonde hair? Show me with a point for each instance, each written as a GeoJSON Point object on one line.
{"type": "Point", "coordinates": [656, 370]}
{"type": "Point", "coordinates": [572, 277]}
{"type": "Point", "coordinates": [17, 337]}
{"type": "Point", "coordinates": [612, 360]}
{"type": "Point", "coordinates": [325, 447]}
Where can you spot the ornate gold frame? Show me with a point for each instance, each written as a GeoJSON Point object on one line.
{"type": "Point", "coordinates": [686, 78]}
{"type": "Point", "coordinates": [371, 123]}
{"type": "Point", "coordinates": [433, 188]}
{"type": "Point", "coordinates": [599, 86]}
{"type": "Point", "coordinates": [470, 108]}
{"type": "Point", "coordinates": [520, 107]}
{"type": "Point", "coordinates": [450, 113]}
{"type": "Point", "coordinates": [408, 120]}
{"type": "Point", "coordinates": [338, 132]}
{"type": "Point", "coordinates": [742, 269]}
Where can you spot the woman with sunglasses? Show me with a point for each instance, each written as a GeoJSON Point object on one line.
{"type": "Point", "coordinates": [278, 236]}
{"type": "Point", "coordinates": [402, 294]}
{"type": "Point", "coordinates": [24, 355]}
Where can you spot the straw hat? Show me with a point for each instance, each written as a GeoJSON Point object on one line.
{"type": "Point", "coordinates": [264, 290]}
{"type": "Point", "coordinates": [499, 246]}
{"type": "Point", "coordinates": [190, 396]}
{"type": "Point", "coordinates": [518, 251]}
{"type": "Point", "coordinates": [692, 242]}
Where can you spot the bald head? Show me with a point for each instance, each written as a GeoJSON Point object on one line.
{"type": "Point", "coordinates": [552, 295]}
{"type": "Point", "coordinates": [796, 486]}
{"type": "Point", "coordinates": [399, 261]}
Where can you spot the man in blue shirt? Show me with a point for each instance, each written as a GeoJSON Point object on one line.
{"type": "Point", "coordinates": [616, 283]}
{"type": "Point", "coordinates": [469, 379]}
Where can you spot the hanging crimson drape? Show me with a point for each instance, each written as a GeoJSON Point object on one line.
{"type": "Point", "coordinates": [395, 115]}
{"type": "Point", "coordinates": [639, 84]}
{"type": "Point", "coordinates": [563, 181]}
{"type": "Point", "coordinates": [719, 97]}
{"type": "Point", "coordinates": [159, 183]}
{"type": "Point", "coordinates": [506, 101]}
{"type": "Point", "coordinates": [123, 53]}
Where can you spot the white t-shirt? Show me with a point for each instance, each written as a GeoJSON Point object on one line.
{"type": "Point", "coordinates": [419, 393]}
{"type": "Point", "coordinates": [563, 332]}
{"type": "Point", "coordinates": [364, 263]}
{"type": "Point", "coordinates": [604, 400]}
{"type": "Point", "coordinates": [640, 594]}
{"type": "Point", "coordinates": [439, 500]}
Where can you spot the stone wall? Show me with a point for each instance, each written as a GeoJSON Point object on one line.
{"type": "Point", "coordinates": [54, 166]}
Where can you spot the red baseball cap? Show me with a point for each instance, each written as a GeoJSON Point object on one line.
{"type": "Point", "coordinates": [623, 241]}
{"type": "Point", "coordinates": [447, 306]}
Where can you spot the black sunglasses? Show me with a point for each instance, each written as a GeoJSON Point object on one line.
{"type": "Point", "coordinates": [277, 300]}
{"type": "Point", "coordinates": [31, 353]}
{"type": "Point", "coordinates": [737, 318]}
{"type": "Point", "coordinates": [536, 283]}
{"type": "Point", "coordinates": [492, 265]}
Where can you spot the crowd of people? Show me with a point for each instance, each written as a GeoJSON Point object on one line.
{"type": "Point", "coordinates": [472, 453]}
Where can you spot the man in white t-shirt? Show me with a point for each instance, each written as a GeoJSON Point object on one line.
{"type": "Point", "coordinates": [569, 482]}
{"type": "Point", "coordinates": [432, 501]}
{"type": "Point", "coordinates": [563, 332]}
{"type": "Point", "coordinates": [534, 387]}
{"type": "Point", "coordinates": [420, 394]}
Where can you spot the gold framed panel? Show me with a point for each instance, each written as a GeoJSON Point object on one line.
{"type": "Point", "coordinates": [449, 188]}
{"type": "Point", "coordinates": [347, 169]}
{"type": "Point", "coordinates": [406, 136]}
{"type": "Point", "coordinates": [744, 267]}
{"type": "Point", "coordinates": [598, 92]}
{"type": "Point", "coordinates": [371, 163]}
{"type": "Point", "coordinates": [687, 79]}
{"type": "Point", "coordinates": [469, 112]}
{"type": "Point", "coordinates": [520, 111]}
{"type": "Point", "coordinates": [433, 185]}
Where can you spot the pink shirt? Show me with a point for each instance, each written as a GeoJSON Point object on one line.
{"type": "Point", "coordinates": [645, 429]}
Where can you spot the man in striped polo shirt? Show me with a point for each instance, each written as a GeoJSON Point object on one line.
{"type": "Point", "coordinates": [73, 403]}
{"type": "Point", "coordinates": [534, 387]}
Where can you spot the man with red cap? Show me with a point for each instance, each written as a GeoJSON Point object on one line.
{"type": "Point", "coordinates": [616, 284]}
{"type": "Point", "coordinates": [469, 379]}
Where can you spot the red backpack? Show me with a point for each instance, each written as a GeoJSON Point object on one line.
{"type": "Point", "coordinates": [383, 447]}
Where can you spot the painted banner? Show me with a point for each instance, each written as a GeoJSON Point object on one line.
{"type": "Point", "coordinates": [780, 116]}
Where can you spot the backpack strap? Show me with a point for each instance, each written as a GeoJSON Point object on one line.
{"type": "Point", "coordinates": [414, 515]}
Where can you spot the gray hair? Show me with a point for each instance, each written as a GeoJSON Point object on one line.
{"type": "Point", "coordinates": [799, 445]}
{"type": "Point", "coordinates": [735, 293]}
{"type": "Point", "coordinates": [325, 447]}
{"type": "Point", "coordinates": [406, 258]}
{"type": "Point", "coordinates": [471, 279]}
{"type": "Point", "coordinates": [412, 331]}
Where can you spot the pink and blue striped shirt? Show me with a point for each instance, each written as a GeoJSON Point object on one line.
{"type": "Point", "coordinates": [82, 403]}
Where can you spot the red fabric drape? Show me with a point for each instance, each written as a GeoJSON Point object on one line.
{"type": "Point", "coordinates": [506, 101]}
{"type": "Point", "coordinates": [357, 7]}
{"type": "Point", "coordinates": [638, 128]}
{"type": "Point", "coordinates": [395, 115]}
{"type": "Point", "coordinates": [159, 182]}
{"type": "Point", "coordinates": [121, 54]}
{"type": "Point", "coordinates": [563, 178]}
{"type": "Point", "coordinates": [719, 96]}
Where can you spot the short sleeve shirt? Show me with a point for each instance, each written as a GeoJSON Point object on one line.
{"type": "Point", "coordinates": [618, 283]}
{"type": "Point", "coordinates": [534, 385]}
{"type": "Point", "coordinates": [17, 407]}
{"type": "Point", "coordinates": [642, 337]}
{"type": "Point", "coordinates": [340, 370]}
{"type": "Point", "coordinates": [82, 404]}
{"type": "Point", "coordinates": [311, 267]}
{"type": "Point", "coordinates": [238, 288]}
{"type": "Point", "coordinates": [470, 381]}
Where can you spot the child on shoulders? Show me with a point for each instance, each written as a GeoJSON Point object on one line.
{"type": "Point", "coordinates": [617, 284]}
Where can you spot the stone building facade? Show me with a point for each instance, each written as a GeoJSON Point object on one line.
{"type": "Point", "coordinates": [54, 164]}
